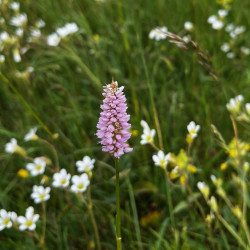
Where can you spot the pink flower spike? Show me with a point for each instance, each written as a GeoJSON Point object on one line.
{"type": "Point", "coordinates": [113, 122]}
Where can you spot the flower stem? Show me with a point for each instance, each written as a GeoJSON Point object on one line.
{"type": "Point", "coordinates": [118, 217]}
{"type": "Point", "coordinates": [90, 208]}
{"type": "Point", "coordinates": [52, 147]}
{"type": "Point", "coordinates": [169, 200]}
{"type": "Point", "coordinates": [42, 240]}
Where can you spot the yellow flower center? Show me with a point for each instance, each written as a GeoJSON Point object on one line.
{"type": "Point", "coordinates": [162, 163]}
{"type": "Point", "coordinates": [6, 221]}
{"type": "Point", "coordinates": [80, 186]}
{"type": "Point", "coordinates": [38, 167]}
{"type": "Point", "coordinates": [63, 181]}
{"type": "Point", "coordinates": [42, 196]}
{"type": "Point", "coordinates": [29, 223]}
{"type": "Point", "coordinates": [192, 131]}
{"type": "Point", "coordinates": [149, 138]}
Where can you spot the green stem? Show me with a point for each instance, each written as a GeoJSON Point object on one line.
{"type": "Point", "coordinates": [151, 94]}
{"type": "Point", "coordinates": [44, 225]}
{"type": "Point", "coordinates": [231, 230]}
{"type": "Point", "coordinates": [90, 208]}
{"type": "Point", "coordinates": [53, 151]}
{"type": "Point", "coordinates": [118, 216]}
{"type": "Point", "coordinates": [169, 199]}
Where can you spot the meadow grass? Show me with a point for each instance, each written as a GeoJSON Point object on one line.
{"type": "Point", "coordinates": [63, 96]}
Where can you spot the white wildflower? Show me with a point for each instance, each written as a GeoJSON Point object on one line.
{"type": "Point", "coordinates": [19, 20]}
{"type": "Point", "coordinates": [193, 129]}
{"type": "Point", "coordinates": [29, 221]}
{"type": "Point", "coordinates": [12, 147]}
{"type": "Point", "coordinates": [234, 104]}
{"type": "Point", "coordinates": [2, 58]}
{"type": "Point", "coordinates": [16, 55]}
{"type": "Point", "coordinates": [148, 134]}
{"type": "Point", "coordinates": [40, 23]}
{"type": "Point", "coordinates": [158, 33]}
{"type": "Point", "coordinates": [5, 220]}
{"type": "Point", "coordinates": [245, 50]}
{"type": "Point", "coordinates": [35, 33]}
{"type": "Point", "coordinates": [204, 189]}
{"type": "Point", "coordinates": [40, 194]}
{"type": "Point", "coordinates": [31, 135]}
{"type": "Point", "coordinates": [248, 108]}
{"type": "Point", "coordinates": [15, 6]}
{"type": "Point", "coordinates": [61, 179]}
{"type": "Point", "coordinates": [222, 13]}
{"type": "Point", "coordinates": [161, 159]}
{"type": "Point", "coordinates": [53, 39]}
{"type": "Point", "coordinates": [68, 29]}
{"type": "Point", "coordinates": [230, 55]}
{"type": "Point", "coordinates": [212, 19]}
{"type": "Point", "coordinates": [225, 47]}
{"type": "Point", "coordinates": [80, 183]}
{"type": "Point", "coordinates": [230, 27]}
{"type": "Point", "coordinates": [19, 32]}
{"type": "Point", "coordinates": [188, 26]}
{"type": "Point", "coordinates": [217, 24]}
{"type": "Point", "coordinates": [37, 167]}
{"type": "Point", "coordinates": [85, 165]}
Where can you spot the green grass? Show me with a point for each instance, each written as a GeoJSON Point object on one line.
{"type": "Point", "coordinates": [64, 93]}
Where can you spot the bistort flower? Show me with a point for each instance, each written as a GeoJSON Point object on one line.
{"type": "Point", "coordinates": [37, 167]}
{"type": "Point", "coordinates": [29, 221]}
{"type": "Point", "coordinates": [113, 122]}
{"type": "Point", "coordinates": [61, 179]}
{"type": "Point", "coordinates": [85, 165]}
{"type": "Point", "coordinates": [80, 183]}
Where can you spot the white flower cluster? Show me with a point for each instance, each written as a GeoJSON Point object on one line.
{"type": "Point", "coordinates": [234, 104]}
{"type": "Point", "coordinates": [79, 183]}
{"type": "Point", "coordinates": [68, 29]}
{"type": "Point", "coordinates": [9, 219]}
{"type": "Point", "coordinates": [158, 33]}
{"type": "Point", "coordinates": [19, 21]}
{"type": "Point", "coordinates": [216, 21]}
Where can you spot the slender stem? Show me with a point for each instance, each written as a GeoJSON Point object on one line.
{"type": "Point", "coordinates": [90, 208]}
{"type": "Point", "coordinates": [244, 188]}
{"type": "Point", "coordinates": [169, 199]}
{"type": "Point", "coordinates": [231, 230]}
{"type": "Point", "coordinates": [196, 201]}
{"type": "Point", "coordinates": [118, 216]}
{"type": "Point", "coordinates": [42, 240]}
{"type": "Point", "coordinates": [53, 151]}
{"type": "Point", "coordinates": [27, 106]}
{"type": "Point", "coordinates": [151, 94]}
{"type": "Point", "coordinates": [154, 146]}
